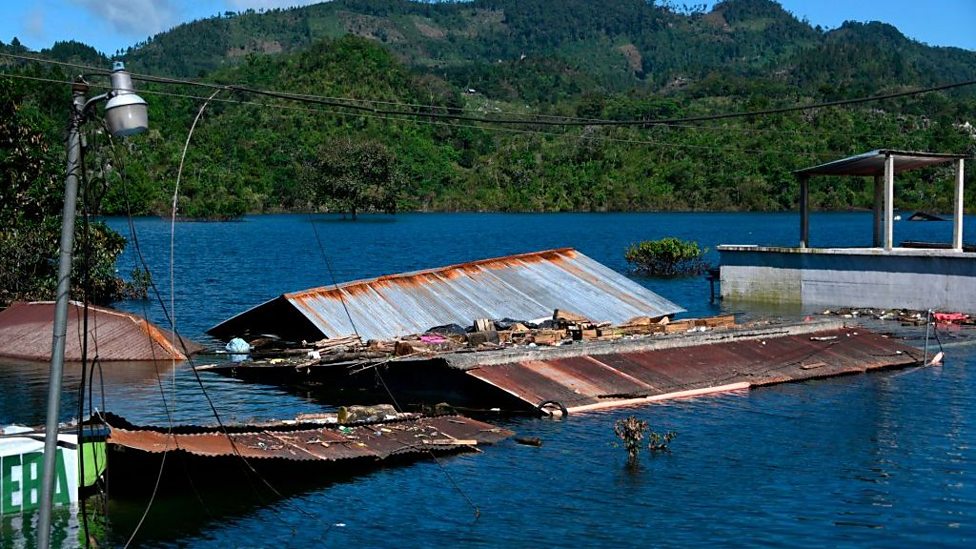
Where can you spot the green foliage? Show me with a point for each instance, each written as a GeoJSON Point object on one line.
{"type": "Point", "coordinates": [631, 431]}
{"type": "Point", "coordinates": [661, 442]}
{"type": "Point", "coordinates": [353, 176]}
{"type": "Point", "coordinates": [630, 59]}
{"type": "Point", "coordinates": [31, 194]}
{"type": "Point", "coordinates": [666, 257]}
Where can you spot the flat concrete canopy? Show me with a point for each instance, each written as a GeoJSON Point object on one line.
{"type": "Point", "coordinates": [873, 163]}
{"type": "Point", "coordinates": [882, 165]}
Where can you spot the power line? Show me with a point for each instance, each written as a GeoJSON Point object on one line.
{"type": "Point", "coordinates": [416, 120]}
{"type": "Point", "coordinates": [100, 70]}
{"type": "Point", "coordinates": [353, 104]}
{"type": "Point", "coordinates": [638, 123]}
{"type": "Point", "coordinates": [169, 80]}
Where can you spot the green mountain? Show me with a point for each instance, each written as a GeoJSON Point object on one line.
{"type": "Point", "coordinates": [570, 46]}
{"type": "Point", "coordinates": [616, 59]}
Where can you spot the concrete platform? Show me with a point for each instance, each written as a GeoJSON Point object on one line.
{"type": "Point", "coordinates": [908, 278]}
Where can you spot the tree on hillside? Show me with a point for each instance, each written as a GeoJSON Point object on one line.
{"type": "Point", "coordinates": [31, 194]}
{"type": "Point", "coordinates": [354, 175]}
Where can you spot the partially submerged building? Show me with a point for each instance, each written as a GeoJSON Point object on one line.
{"type": "Point", "coordinates": [598, 358]}
{"type": "Point", "coordinates": [522, 287]}
{"type": "Point", "coordinates": [594, 375]}
{"type": "Point", "coordinates": [298, 452]}
{"type": "Point", "coordinates": [885, 275]}
{"type": "Point", "coordinates": [26, 332]}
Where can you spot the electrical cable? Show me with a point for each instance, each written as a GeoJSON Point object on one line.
{"type": "Point", "coordinates": [343, 103]}
{"type": "Point", "coordinates": [162, 391]}
{"type": "Point", "coordinates": [379, 376]}
{"type": "Point", "coordinates": [86, 284]}
{"type": "Point", "coordinates": [162, 304]}
{"type": "Point", "coordinates": [171, 319]}
{"type": "Point", "coordinates": [639, 123]}
{"type": "Point", "coordinates": [597, 138]}
{"type": "Point", "coordinates": [134, 236]}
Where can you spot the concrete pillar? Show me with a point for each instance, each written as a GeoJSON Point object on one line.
{"type": "Point", "coordinates": [804, 211]}
{"type": "Point", "coordinates": [958, 212]}
{"type": "Point", "coordinates": [878, 215]}
{"type": "Point", "coordinates": [889, 202]}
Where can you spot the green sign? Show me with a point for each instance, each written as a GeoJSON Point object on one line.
{"type": "Point", "coordinates": [20, 481]}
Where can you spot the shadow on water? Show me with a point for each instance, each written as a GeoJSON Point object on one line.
{"type": "Point", "coordinates": [195, 494]}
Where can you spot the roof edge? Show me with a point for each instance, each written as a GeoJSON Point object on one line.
{"type": "Point", "coordinates": [435, 270]}
{"type": "Point", "coordinates": [812, 170]}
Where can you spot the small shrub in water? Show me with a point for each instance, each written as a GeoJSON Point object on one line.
{"type": "Point", "coordinates": [667, 257]}
{"type": "Point", "coordinates": [630, 431]}
{"type": "Point", "coordinates": [660, 443]}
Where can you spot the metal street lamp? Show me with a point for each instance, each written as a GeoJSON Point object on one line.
{"type": "Point", "coordinates": [126, 114]}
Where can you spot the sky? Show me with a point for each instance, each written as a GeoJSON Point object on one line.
{"type": "Point", "coordinates": [110, 25]}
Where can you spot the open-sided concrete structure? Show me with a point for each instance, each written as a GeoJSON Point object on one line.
{"type": "Point", "coordinates": [880, 276]}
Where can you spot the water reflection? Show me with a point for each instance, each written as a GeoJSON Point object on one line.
{"type": "Point", "coordinates": [25, 384]}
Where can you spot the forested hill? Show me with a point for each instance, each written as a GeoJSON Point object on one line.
{"type": "Point", "coordinates": [508, 47]}
{"type": "Point", "coordinates": [595, 59]}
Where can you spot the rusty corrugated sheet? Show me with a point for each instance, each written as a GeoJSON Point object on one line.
{"type": "Point", "coordinates": [524, 287]}
{"type": "Point", "coordinates": [26, 331]}
{"type": "Point", "coordinates": [583, 382]}
{"type": "Point", "coordinates": [313, 443]}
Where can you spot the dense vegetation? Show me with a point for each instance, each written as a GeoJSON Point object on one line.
{"type": "Point", "coordinates": [622, 60]}
{"type": "Point", "coordinates": [31, 195]}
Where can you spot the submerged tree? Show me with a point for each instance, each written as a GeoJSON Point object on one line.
{"type": "Point", "coordinates": [352, 175]}
{"type": "Point", "coordinates": [631, 431]}
{"type": "Point", "coordinates": [667, 257]}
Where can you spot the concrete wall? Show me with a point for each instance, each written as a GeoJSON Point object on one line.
{"type": "Point", "coordinates": [912, 279]}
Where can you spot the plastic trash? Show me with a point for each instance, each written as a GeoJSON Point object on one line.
{"type": "Point", "coordinates": [237, 346]}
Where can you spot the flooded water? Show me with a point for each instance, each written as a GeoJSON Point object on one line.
{"type": "Point", "coordinates": [884, 459]}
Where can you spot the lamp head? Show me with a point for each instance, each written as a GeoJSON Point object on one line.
{"type": "Point", "coordinates": [126, 113]}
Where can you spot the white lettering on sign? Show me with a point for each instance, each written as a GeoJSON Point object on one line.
{"type": "Point", "coordinates": [21, 470]}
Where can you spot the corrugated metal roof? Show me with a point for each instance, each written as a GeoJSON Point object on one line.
{"type": "Point", "coordinates": [26, 332]}
{"type": "Point", "coordinates": [623, 378]}
{"type": "Point", "coordinates": [872, 163]}
{"type": "Point", "coordinates": [523, 287]}
{"type": "Point", "coordinates": [313, 443]}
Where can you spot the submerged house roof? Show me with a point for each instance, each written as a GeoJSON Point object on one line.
{"type": "Point", "coordinates": [872, 163]}
{"type": "Point", "coordinates": [609, 375]}
{"type": "Point", "coordinates": [303, 442]}
{"type": "Point", "coordinates": [522, 287]}
{"type": "Point", "coordinates": [26, 332]}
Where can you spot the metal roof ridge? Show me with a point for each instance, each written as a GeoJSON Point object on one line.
{"type": "Point", "coordinates": [432, 271]}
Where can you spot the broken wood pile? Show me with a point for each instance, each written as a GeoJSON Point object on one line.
{"type": "Point", "coordinates": [564, 327]}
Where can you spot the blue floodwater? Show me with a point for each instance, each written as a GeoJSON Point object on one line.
{"type": "Point", "coordinates": [884, 459]}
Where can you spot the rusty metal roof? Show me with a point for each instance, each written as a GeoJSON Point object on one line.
{"type": "Point", "coordinates": [311, 442]}
{"type": "Point", "coordinates": [26, 332]}
{"type": "Point", "coordinates": [524, 287]}
{"type": "Point", "coordinates": [872, 163]}
{"type": "Point", "coordinates": [592, 381]}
